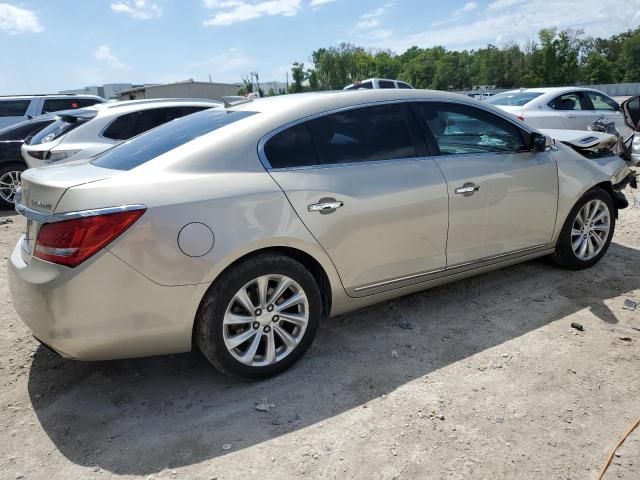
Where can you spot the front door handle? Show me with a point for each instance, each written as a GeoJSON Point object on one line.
{"type": "Point", "coordinates": [467, 189]}
{"type": "Point", "coordinates": [325, 205]}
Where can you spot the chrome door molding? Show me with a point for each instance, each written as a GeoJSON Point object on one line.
{"type": "Point", "coordinates": [495, 260]}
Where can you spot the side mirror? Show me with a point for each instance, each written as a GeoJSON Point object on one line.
{"type": "Point", "coordinates": [538, 142]}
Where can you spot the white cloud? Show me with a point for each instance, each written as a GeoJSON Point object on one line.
{"type": "Point", "coordinates": [520, 22]}
{"type": "Point", "coordinates": [104, 54]}
{"type": "Point", "coordinates": [469, 6]}
{"type": "Point", "coordinates": [230, 61]}
{"type": "Point", "coordinates": [500, 4]}
{"type": "Point", "coordinates": [228, 12]}
{"type": "Point", "coordinates": [15, 20]}
{"type": "Point", "coordinates": [316, 4]}
{"type": "Point", "coordinates": [139, 9]}
{"type": "Point", "coordinates": [371, 19]}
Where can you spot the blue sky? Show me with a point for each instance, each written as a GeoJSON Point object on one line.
{"type": "Point", "coordinates": [50, 45]}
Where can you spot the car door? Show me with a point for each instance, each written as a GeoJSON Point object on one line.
{"type": "Point", "coordinates": [502, 196]}
{"type": "Point", "coordinates": [573, 109]}
{"type": "Point", "coordinates": [362, 183]}
{"type": "Point", "coordinates": [607, 108]}
{"type": "Point", "coordinates": [631, 110]}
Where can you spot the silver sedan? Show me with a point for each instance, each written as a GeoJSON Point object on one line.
{"type": "Point", "coordinates": [238, 230]}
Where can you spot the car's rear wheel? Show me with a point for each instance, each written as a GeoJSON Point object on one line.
{"type": "Point", "coordinates": [9, 182]}
{"type": "Point", "coordinates": [587, 232]}
{"type": "Point", "coordinates": [259, 317]}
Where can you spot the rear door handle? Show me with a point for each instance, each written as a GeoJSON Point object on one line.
{"type": "Point", "coordinates": [467, 189]}
{"type": "Point", "coordinates": [325, 205]}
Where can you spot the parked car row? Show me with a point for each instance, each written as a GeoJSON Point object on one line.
{"type": "Point", "coordinates": [81, 133]}
{"type": "Point", "coordinates": [239, 228]}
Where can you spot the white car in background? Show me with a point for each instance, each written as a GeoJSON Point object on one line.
{"type": "Point", "coordinates": [375, 83]}
{"type": "Point", "coordinates": [572, 108]}
{"type": "Point", "coordinates": [86, 132]}
{"type": "Point", "coordinates": [18, 108]}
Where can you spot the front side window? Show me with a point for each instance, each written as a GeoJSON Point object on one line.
{"type": "Point", "coordinates": [602, 102]}
{"type": "Point", "coordinates": [461, 129]}
{"type": "Point", "coordinates": [360, 135]}
{"type": "Point", "coordinates": [386, 84]}
{"type": "Point", "coordinates": [568, 101]}
{"type": "Point", "coordinates": [13, 108]}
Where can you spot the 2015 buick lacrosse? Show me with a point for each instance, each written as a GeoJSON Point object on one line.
{"type": "Point", "coordinates": [237, 230]}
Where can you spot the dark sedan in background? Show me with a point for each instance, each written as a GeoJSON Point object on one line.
{"type": "Point", "coordinates": [11, 163]}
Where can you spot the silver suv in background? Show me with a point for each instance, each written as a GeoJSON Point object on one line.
{"type": "Point", "coordinates": [15, 109]}
{"type": "Point", "coordinates": [375, 83]}
{"type": "Point", "coordinates": [83, 133]}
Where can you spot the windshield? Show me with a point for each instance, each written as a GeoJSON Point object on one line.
{"type": "Point", "coordinates": [164, 138]}
{"type": "Point", "coordinates": [517, 99]}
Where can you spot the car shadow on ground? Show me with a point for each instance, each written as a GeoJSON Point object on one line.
{"type": "Point", "coordinates": [142, 416]}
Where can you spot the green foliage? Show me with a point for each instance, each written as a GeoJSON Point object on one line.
{"type": "Point", "coordinates": [557, 58]}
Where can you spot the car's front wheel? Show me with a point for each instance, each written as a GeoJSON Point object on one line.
{"type": "Point", "coordinates": [9, 182]}
{"type": "Point", "coordinates": [259, 317]}
{"type": "Point", "coordinates": [587, 232]}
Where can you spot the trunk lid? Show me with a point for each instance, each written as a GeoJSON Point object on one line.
{"type": "Point", "coordinates": [43, 188]}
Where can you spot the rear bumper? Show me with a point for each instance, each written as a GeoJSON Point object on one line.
{"type": "Point", "coordinates": [100, 310]}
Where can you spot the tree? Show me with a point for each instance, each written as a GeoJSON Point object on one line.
{"type": "Point", "coordinates": [297, 74]}
{"type": "Point", "coordinates": [597, 69]}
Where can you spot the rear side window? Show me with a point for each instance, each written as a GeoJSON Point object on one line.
{"type": "Point", "coordinates": [404, 85]}
{"type": "Point", "coordinates": [365, 85]}
{"type": "Point", "coordinates": [508, 99]}
{"type": "Point", "coordinates": [22, 130]}
{"type": "Point", "coordinates": [166, 137]}
{"type": "Point", "coordinates": [461, 129]}
{"type": "Point", "coordinates": [602, 102]}
{"type": "Point", "coordinates": [13, 108]}
{"type": "Point", "coordinates": [386, 84]}
{"type": "Point", "coordinates": [57, 104]}
{"type": "Point", "coordinates": [132, 124]}
{"type": "Point", "coordinates": [360, 135]}
{"type": "Point", "coordinates": [568, 101]}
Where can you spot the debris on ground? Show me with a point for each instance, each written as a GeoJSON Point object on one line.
{"type": "Point", "coordinates": [264, 406]}
{"type": "Point", "coordinates": [226, 446]}
{"type": "Point", "coordinates": [406, 325]}
{"type": "Point", "coordinates": [577, 326]}
{"type": "Point", "coordinates": [5, 221]}
{"type": "Point", "coordinates": [394, 354]}
{"type": "Point", "coordinates": [629, 304]}
{"type": "Point", "coordinates": [625, 339]}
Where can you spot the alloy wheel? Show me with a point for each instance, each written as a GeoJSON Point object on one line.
{"type": "Point", "coordinates": [590, 229]}
{"type": "Point", "coordinates": [265, 320]}
{"type": "Point", "coordinates": [9, 183]}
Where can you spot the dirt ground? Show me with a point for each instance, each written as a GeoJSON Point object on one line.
{"type": "Point", "coordinates": [480, 379]}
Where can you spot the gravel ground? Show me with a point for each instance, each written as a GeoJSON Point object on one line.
{"type": "Point", "coordinates": [481, 379]}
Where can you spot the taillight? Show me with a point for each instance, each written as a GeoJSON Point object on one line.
{"type": "Point", "coordinates": [71, 242]}
{"type": "Point", "coordinates": [39, 154]}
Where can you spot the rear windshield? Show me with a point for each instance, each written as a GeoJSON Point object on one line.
{"type": "Point", "coordinates": [518, 99]}
{"type": "Point", "coordinates": [64, 124]}
{"type": "Point", "coordinates": [164, 138]}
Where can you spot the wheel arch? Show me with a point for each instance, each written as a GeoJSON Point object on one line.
{"type": "Point", "coordinates": [314, 266]}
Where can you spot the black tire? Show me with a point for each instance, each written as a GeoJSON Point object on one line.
{"type": "Point", "coordinates": [4, 169]}
{"type": "Point", "coordinates": [564, 256]}
{"type": "Point", "coordinates": [208, 330]}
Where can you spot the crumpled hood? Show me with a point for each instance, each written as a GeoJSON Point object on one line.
{"type": "Point", "coordinates": [582, 139]}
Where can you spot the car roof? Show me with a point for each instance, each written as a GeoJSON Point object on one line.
{"type": "Point", "coordinates": [283, 109]}
{"type": "Point", "coordinates": [553, 90]}
{"type": "Point", "coordinates": [118, 108]}
{"type": "Point", "coordinates": [61, 96]}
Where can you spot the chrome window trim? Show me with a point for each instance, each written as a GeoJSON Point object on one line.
{"type": "Point", "coordinates": [267, 166]}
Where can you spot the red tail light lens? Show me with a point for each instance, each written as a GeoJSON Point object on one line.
{"type": "Point", "coordinates": [71, 242]}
